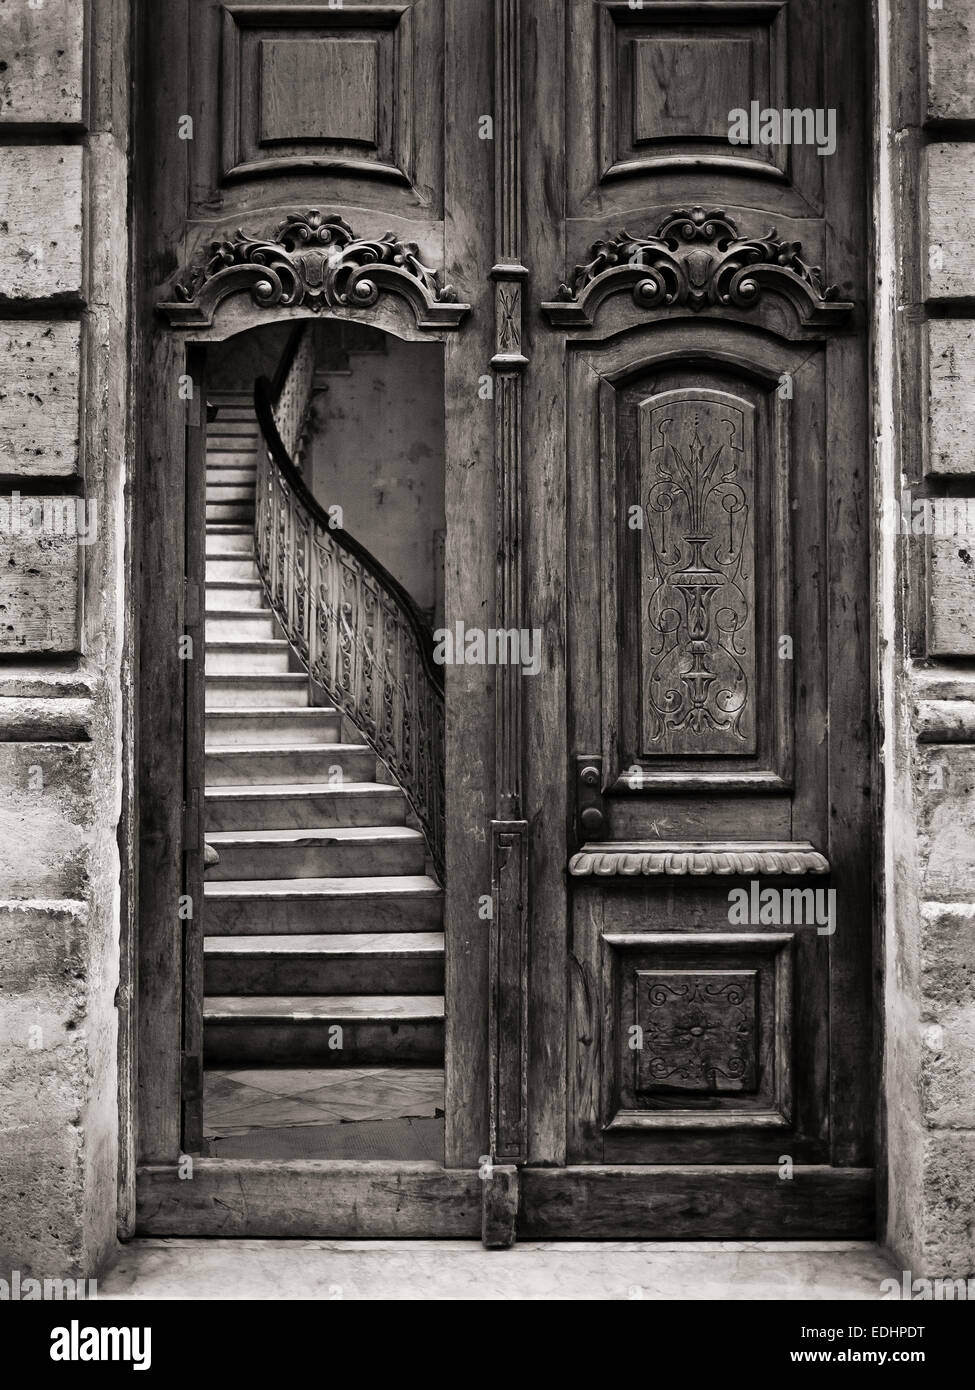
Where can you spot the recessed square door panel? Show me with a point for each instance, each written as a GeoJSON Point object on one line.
{"type": "Point", "coordinates": [339, 104]}
{"type": "Point", "coordinates": [691, 1037]}
{"type": "Point", "coordinates": [653, 88]}
{"type": "Point", "coordinates": [320, 91]}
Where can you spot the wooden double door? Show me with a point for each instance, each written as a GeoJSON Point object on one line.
{"type": "Point", "coordinates": [639, 232]}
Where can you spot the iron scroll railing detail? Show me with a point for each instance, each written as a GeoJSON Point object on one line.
{"type": "Point", "coordinates": [355, 629]}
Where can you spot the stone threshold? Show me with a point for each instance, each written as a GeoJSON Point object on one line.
{"type": "Point", "coordinates": [438, 1270]}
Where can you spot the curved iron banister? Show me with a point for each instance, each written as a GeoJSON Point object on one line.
{"type": "Point", "coordinates": [419, 625]}
{"type": "Point", "coordinates": [355, 629]}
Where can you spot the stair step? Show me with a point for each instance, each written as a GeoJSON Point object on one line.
{"type": "Point", "coordinates": [282, 907]}
{"type": "Point", "coordinates": [241, 625]}
{"type": "Point", "coordinates": [307, 805]}
{"type": "Point", "coordinates": [247, 658]}
{"type": "Point", "coordinates": [226, 423]}
{"type": "Point", "coordinates": [366, 963]}
{"type": "Point", "coordinates": [257, 692]}
{"type": "Point", "coordinates": [268, 727]}
{"type": "Point", "coordinates": [273, 766]}
{"type": "Point", "coordinates": [231, 473]}
{"type": "Point", "coordinates": [317, 853]}
{"type": "Point", "coordinates": [230, 511]}
{"type": "Point", "coordinates": [244, 453]}
{"type": "Point", "coordinates": [225, 490]}
{"type": "Point", "coordinates": [367, 1028]}
{"type": "Point", "coordinates": [229, 458]}
{"type": "Point", "coordinates": [235, 594]}
{"type": "Point", "coordinates": [237, 568]}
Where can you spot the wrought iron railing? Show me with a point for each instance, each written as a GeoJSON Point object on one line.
{"type": "Point", "coordinates": [291, 391]}
{"type": "Point", "coordinates": [354, 628]}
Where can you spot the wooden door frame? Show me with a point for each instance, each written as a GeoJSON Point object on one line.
{"type": "Point", "coordinates": [316, 1198]}
{"type": "Point", "coordinates": [367, 1199]}
{"type": "Point", "coordinates": [554, 1201]}
{"type": "Point", "coordinates": [605, 1200]}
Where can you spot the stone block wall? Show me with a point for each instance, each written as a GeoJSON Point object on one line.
{"type": "Point", "coordinates": [64, 288]}
{"type": "Point", "coordinates": [926, 248]}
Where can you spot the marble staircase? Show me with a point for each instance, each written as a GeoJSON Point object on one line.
{"type": "Point", "coordinates": [324, 943]}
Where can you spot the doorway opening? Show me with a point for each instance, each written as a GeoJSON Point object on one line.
{"type": "Point", "coordinates": [323, 945]}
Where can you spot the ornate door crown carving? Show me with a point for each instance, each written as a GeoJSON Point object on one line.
{"type": "Point", "coordinates": [697, 260]}
{"type": "Point", "coordinates": [317, 262]}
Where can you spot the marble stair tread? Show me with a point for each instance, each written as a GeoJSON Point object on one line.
{"type": "Point", "coordinates": [305, 715]}
{"type": "Point", "coordinates": [234, 595]}
{"type": "Point", "coordinates": [257, 764]}
{"type": "Point", "coordinates": [275, 644]}
{"type": "Point", "coordinates": [230, 615]}
{"type": "Point", "coordinates": [314, 964]}
{"type": "Point", "coordinates": [276, 806]}
{"type": "Point", "coordinates": [266, 652]}
{"type": "Point", "coordinates": [300, 852]}
{"type": "Point", "coordinates": [401, 944]}
{"type": "Point", "coordinates": [257, 692]}
{"type": "Point", "coordinates": [376, 886]}
{"type": "Point", "coordinates": [326, 1007]}
{"type": "Point", "coordinates": [229, 456]}
{"type": "Point", "coordinates": [237, 750]}
{"type": "Point", "coordinates": [270, 791]}
{"type": "Point", "coordinates": [282, 679]}
{"type": "Point", "coordinates": [336, 834]}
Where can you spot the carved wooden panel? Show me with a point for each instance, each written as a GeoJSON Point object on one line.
{"type": "Point", "coordinates": [676, 73]}
{"type": "Point", "coordinates": [319, 90]}
{"type": "Point", "coordinates": [347, 90]}
{"type": "Point", "coordinates": [702, 1021]}
{"type": "Point", "coordinates": [696, 582]}
{"type": "Point", "coordinates": [699, 1030]}
{"type": "Point", "coordinates": [697, 467]}
{"type": "Point", "coordinates": [652, 88]}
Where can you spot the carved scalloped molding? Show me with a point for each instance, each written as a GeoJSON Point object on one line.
{"type": "Point", "coordinates": [695, 859]}
{"type": "Point", "coordinates": [315, 262]}
{"type": "Point", "coordinates": [697, 260]}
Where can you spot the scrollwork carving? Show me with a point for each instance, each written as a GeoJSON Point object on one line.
{"type": "Point", "coordinates": [699, 589]}
{"type": "Point", "coordinates": [315, 262]}
{"type": "Point", "coordinates": [697, 260]}
{"type": "Point", "coordinates": [699, 1031]}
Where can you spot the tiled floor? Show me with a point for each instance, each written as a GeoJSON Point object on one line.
{"type": "Point", "coordinates": [278, 1110]}
{"type": "Point", "coordinates": [463, 1270]}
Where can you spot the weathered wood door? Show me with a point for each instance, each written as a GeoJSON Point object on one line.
{"type": "Point", "coordinates": [696, 520]}
{"type": "Point", "coordinates": [258, 125]}
{"type": "Point", "coordinates": [657, 478]}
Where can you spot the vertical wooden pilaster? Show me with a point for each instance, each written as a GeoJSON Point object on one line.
{"type": "Point", "coordinates": [508, 1025]}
